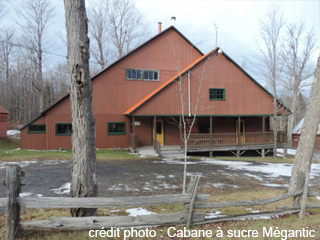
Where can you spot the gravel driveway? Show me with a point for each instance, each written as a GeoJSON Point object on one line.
{"type": "Point", "coordinates": [145, 177]}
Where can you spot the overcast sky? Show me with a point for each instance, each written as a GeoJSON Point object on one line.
{"type": "Point", "coordinates": [237, 22]}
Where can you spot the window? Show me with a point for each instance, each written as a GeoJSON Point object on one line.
{"type": "Point", "coordinates": [37, 128]}
{"type": "Point", "coordinates": [3, 119]}
{"type": "Point", "coordinates": [63, 129]}
{"type": "Point", "coordinates": [217, 94]}
{"type": "Point", "coordinates": [140, 74]}
{"type": "Point", "coordinates": [116, 128]}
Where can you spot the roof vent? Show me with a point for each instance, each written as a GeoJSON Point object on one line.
{"type": "Point", "coordinates": [173, 21]}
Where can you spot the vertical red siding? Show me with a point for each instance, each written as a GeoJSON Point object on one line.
{"type": "Point", "coordinates": [3, 125]}
{"type": "Point", "coordinates": [243, 96]}
{"type": "Point", "coordinates": [113, 94]}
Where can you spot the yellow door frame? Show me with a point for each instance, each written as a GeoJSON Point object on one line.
{"type": "Point", "coordinates": [159, 136]}
{"type": "Point", "coordinates": [243, 127]}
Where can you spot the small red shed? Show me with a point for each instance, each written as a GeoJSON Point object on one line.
{"type": "Point", "coordinates": [296, 132]}
{"type": "Point", "coordinates": [3, 122]}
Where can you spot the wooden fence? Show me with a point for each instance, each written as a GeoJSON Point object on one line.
{"type": "Point", "coordinates": [189, 215]}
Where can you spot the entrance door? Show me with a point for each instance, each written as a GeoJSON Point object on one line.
{"type": "Point", "coordinates": [242, 131]}
{"type": "Point", "coordinates": [159, 131]}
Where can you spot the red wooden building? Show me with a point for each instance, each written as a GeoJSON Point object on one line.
{"type": "Point", "coordinates": [136, 101]}
{"type": "Point", "coordinates": [3, 122]}
{"type": "Point", "coordinates": [296, 133]}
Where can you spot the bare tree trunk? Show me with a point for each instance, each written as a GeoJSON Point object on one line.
{"type": "Point", "coordinates": [275, 125]}
{"type": "Point", "coordinates": [292, 117]}
{"type": "Point", "coordinates": [185, 160]}
{"type": "Point", "coordinates": [304, 154]}
{"type": "Point", "coordinates": [84, 179]}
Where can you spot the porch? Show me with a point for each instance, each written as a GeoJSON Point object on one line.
{"type": "Point", "coordinates": [209, 133]}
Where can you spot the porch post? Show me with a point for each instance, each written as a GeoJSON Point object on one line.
{"type": "Point", "coordinates": [263, 129]}
{"type": "Point", "coordinates": [154, 129]}
{"type": "Point", "coordinates": [211, 137]}
{"type": "Point", "coordinates": [180, 130]}
{"type": "Point", "coordinates": [239, 130]}
{"type": "Point", "coordinates": [133, 134]}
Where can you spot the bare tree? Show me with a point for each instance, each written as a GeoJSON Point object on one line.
{"type": "Point", "coordinates": [37, 16]}
{"type": "Point", "coordinates": [6, 36]}
{"type": "Point", "coordinates": [303, 159]}
{"type": "Point", "coordinates": [84, 179]}
{"type": "Point", "coordinates": [269, 59]}
{"type": "Point", "coordinates": [127, 25]}
{"type": "Point", "coordinates": [300, 44]}
{"type": "Point", "coordinates": [189, 111]}
{"type": "Point", "coordinates": [98, 29]}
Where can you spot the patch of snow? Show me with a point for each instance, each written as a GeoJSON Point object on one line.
{"type": "Point", "coordinates": [175, 161]}
{"type": "Point", "coordinates": [274, 170]}
{"type": "Point", "coordinates": [22, 163]}
{"type": "Point", "coordinates": [289, 151]}
{"type": "Point", "coordinates": [171, 176]}
{"type": "Point", "coordinates": [121, 187]}
{"type": "Point", "coordinates": [215, 214]}
{"type": "Point", "coordinates": [318, 197]}
{"type": "Point", "coordinates": [147, 151]}
{"type": "Point", "coordinates": [25, 194]}
{"type": "Point", "coordinates": [39, 195]}
{"type": "Point", "coordinates": [261, 217]}
{"type": "Point", "coordinates": [191, 174]}
{"type": "Point", "coordinates": [275, 185]}
{"type": "Point", "coordinates": [160, 177]}
{"type": "Point", "coordinates": [64, 189]}
{"type": "Point", "coordinates": [11, 151]}
{"type": "Point", "coordinates": [255, 211]}
{"type": "Point", "coordinates": [133, 212]}
{"type": "Point", "coordinates": [13, 132]}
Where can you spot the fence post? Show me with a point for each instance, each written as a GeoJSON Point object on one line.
{"type": "Point", "coordinates": [192, 189]}
{"type": "Point", "coordinates": [13, 182]}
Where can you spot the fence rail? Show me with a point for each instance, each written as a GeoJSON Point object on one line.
{"type": "Point", "coordinates": [189, 215]}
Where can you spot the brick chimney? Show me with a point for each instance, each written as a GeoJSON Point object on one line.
{"type": "Point", "coordinates": [173, 21]}
{"type": "Point", "coordinates": [159, 27]}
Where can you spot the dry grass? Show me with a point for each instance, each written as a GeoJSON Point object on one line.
{"type": "Point", "coordinates": [312, 220]}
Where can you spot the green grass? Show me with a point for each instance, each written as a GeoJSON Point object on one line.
{"type": "Point", "coordinates": [9, 151]}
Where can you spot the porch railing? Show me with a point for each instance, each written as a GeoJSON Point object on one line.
{"type": "Point", "coordinates": [234, 139]}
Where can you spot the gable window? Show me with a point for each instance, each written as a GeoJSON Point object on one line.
{"type": "Point", "coordinates": [63, 129]}
{"type": "Point", "coordinates": [140, 74]}
{"type": "Point", "coordinates": [37, 128]}
{"type": "Point", "coordinates": [116, 128]}
{"type": "Point", "coordinates": [217, 94]}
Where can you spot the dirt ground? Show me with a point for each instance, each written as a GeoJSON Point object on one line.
{"type": "Point", "coordinates": [145, 177]}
